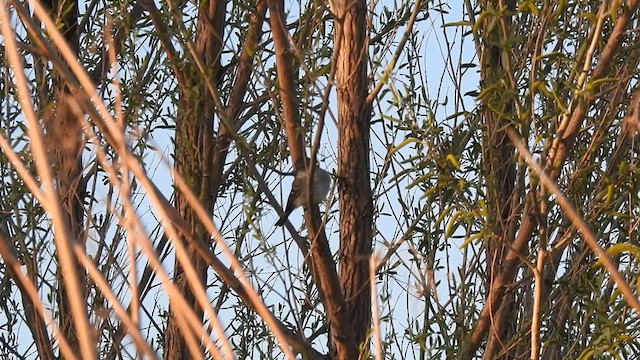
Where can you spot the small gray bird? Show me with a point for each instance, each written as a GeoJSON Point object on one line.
{"type": "Point", "coordinates": [298, 195]}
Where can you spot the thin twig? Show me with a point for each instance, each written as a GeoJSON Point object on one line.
{"type": "Point", "coordinates": [375, 316]}
{"type": "Point", "coordinates": [537, 304]}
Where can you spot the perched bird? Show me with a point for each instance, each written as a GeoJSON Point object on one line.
{"type": "Point", "coordinates": [298, 195]}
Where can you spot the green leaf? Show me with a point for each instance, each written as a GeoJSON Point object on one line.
{"type": "Point", "coordinates": [471, 238]}
{"type": "Point", "coordinates": [457, 23]}
{"type": "Point", "coordinates": [528, 6]}
{"type": "Point", "coordinates": [592, 85]}
{"type": "Point", "coordinates": [404, 143]}
{"type": "Point", "coordinates": [620, 248]}
{"type": "Point", "coordinates": [452, 159]}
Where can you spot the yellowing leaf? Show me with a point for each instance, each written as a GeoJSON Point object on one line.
{"type": "Point", "coordinates": [452, 159]}
{"type": "Point", "coordinates": [457, 23]}
{"type": "Point", "coordinates": [528, 6]}
{"type": "Point", "coordinates": [620, 248]}
{"type": "Point", "coordinates": [470, 239]}
{"type": "Point", "coordinates": [401, 145]}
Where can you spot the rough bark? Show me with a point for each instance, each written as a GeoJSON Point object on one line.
{"type": "Point", "coordinates": [65, 144]}
{"type": "Point", "coordinates": [194, 159]}
{"type": "Point", "coordinates": [500, 173]}
{"type": "Point", "coordinates": [356, 210]}
{"type": "Point", "coordinates": [499, 169]}
{"type": "Point", "coordinates": [321, 263]}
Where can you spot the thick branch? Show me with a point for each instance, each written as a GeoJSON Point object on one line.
{"type": "Point", "coordinates": [321, 262]}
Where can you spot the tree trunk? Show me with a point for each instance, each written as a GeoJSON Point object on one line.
{"type": "Point", "coordinates": [194, 160]}
{"type": "Point", "coordinates": [356, 208]}
{"type": "Point", "coordinates": [65, 144]}
{"type": "Point", "coordinates": [500, 172]}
